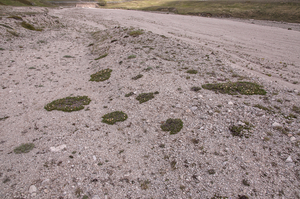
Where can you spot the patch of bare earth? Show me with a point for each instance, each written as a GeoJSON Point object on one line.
{"type": "Point", "coordinates": [75, 155]}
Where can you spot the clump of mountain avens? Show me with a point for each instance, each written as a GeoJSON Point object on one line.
{"type": "Point", "coordinates": [101, 75]}
{"type": "Point", "coordinates": [113, 117]}
{"type": "Point", "coordinates": [68, 104]}
{"type": "Point", "coordinates": [172, 125]}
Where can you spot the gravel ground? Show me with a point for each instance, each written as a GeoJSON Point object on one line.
{"type": "Point", "coordinates": [75, 155]}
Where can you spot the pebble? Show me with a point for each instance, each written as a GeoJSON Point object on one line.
{"type": "Point", "coordinates": [193, 108]}
{"type": "Point", "coordinates": [94, 158]}
{"type": "Point", "coordinates": [58, 149]}
{"type": "Point", "coordinates": [32, 189]}
{"type": "Point", "coordinates": [276, 124]}
{"type": "Point", "coordinates": [289, 160]}
{"type": "Point", "coordinates": [241, 123]}
{"type": "Point", "coordinates": [45, 181]}
{"type": "Point", "coordinates": [46, 190]}
{"type": "Point", "coordinates": [230, 103]}
{"type": "Point", "coordinates": [293, 139]}
{"type": "Point", "coordinates": [95, 197]}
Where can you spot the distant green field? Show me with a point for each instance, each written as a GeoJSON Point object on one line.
{"type": "Point", "coordinates": [275, 10]}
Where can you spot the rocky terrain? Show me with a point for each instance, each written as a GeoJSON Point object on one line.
{"type": "Point", "coordinates": [231, 145]}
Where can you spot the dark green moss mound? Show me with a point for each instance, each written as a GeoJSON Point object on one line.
{"type": "Point", "coordinates": [236, 130]}
{"type": "Point", "coordinates": [101, 75]}
{"type": "Point", "coordinates": [15, 17]}
{"type": "Point", "coordinates": [117, 116]}
{"type": "Point", "coordinates": [233, 88]}
{"type": "Point", "coordinates": [68, 104]}
{"type": "Point", "coordinates": [144, 97]}
{"type": "Point", "coordinates": [101, 56]}
{"type": "Point", "coordinates": [136, 33]}
{"type": "Point", "coordinates": [172, 125]}
{"type": "Point", "coordinates": [29, 26]}
{"type": "Point", "coordinates": [24, 148]}
{"type": "Point", "coordinates": [192, 71]}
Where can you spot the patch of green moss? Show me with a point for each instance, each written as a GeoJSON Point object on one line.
{"type": "Point", "coordinates": [4, 118]}
{"type": "Point", "coordinates": [101, 56]}
{"type": "Point", "coordinates": [6, 26]}
{"type": "Point", "coordinates": [243, 197]}
{"type": "Point", "coordinates": [113, 117]}
{"type": "Point", "coordinates": [192, 71]}
{"type": "Point", "coordinates": [129, 94]}
{"type": "Point", "coordinates": [233, 88]}
{"type": "Point", "coordinates": [24, 148]}
{"type": "Point", "coordinates": [195, 88]}
{"type": "Point", "coordinates": [15, 17]}
{"type": "Point", "coordinates": [172, 125]}
{"type": "Point", "coordinates": [268, 109]}
{"type": "Point", "coordinates": [29, 26]}
{"type": "Point", "coordinates": [131, 57]}
{"type": "Point", "coordinates": [68, 56]}
{"type": "Point", "coordinates": [144, 97]}
{"type": "Point", "coordinates": [136, 33]}
{"type": "Point", "coordinates": [137, 77]}
{"type": "Point", "coordinates": [101, 75]}
{"type": "Point", "coordinates": [2, 49]}
{"type": "Point", "coordinates": [68, 104]}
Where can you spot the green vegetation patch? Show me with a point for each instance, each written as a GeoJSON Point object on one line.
{"type": "Point", "coordinates": [195, 88]}
{"type": "Point", "coordinates": [101, 56]}
{"type": "Point", "coordinates": [131, 57]}
{"type": "Point", "coordinates": [29, 26]}
{"type": "Point", "coordinates": [2, 48]}
{"type": "Point", "coordinates": [68, 104]}
{"type": "Point", "coordinates": [137, 77]}
{"type": "Point", "coordinates": [68, 56]}
{"type": "Point", "coordinates": [24, 148]}
{"type": "Point", "coordinates": [268, 109]}
{"type": "Point", "coordinates": [101, 75]}
{"type": "Point", "coordinates": [233, 88]}
{"type": "Point", "coordinates": [136, 33]}
{"type": "Point", "coordinates": [144, 97]}
{"type": "Point", "coordinates": [129, 94]}
{"type": "Point", "coordinates": [113, 117]}
{"type": "Point", "coordinates": [192, 71]}
{"type": "Point", "coordinates": [6, 26]}
{"type": "Point", "coordinates": [172, 125]}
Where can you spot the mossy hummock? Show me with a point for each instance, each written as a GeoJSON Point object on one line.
{"type": "Point", "coordinates": [68, 104]}
{"type": "Point", "coordinates": [144, 97]}
{"type": "Point", "coordinates": [233, 88]}
{"type": "Point", "coordinates": [101, 75]}
{"type": "Point", "coordinates": [113, 117]}
{"type": "Point", "coordinates": [172, 125]}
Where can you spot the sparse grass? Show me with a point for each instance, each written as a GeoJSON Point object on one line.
{"type": "Point", "coordinates": [268, 109]}
{"type": "Point", "coordinates": [195, 88]}
{"type": "Point", "coordinates": [243, 197]}
{"type": "Point", "coordinates": [211, 171]}
{"type": "Point", "coordinates": [137, 77]}
{"type": "Point", "coordinates": [172, 125]}
{"type": "Point", "coordinates": [283, 130]}
{"type": "Point", "coordinates": [101, 75]}
{"type": "Point", "coordinates": [24, 148]}
{"type": "Point", "coordinates": [173, 164]}
{"type": "Point", "coordinates": [68, 104]}
{"type": "Point", "coordinates": [14, 33]}
{"type": "Point", "coordinates": [131, 57]}
{"type": "Point", "coordinates": [144, 97]}
{"type": "Point", "coordinates": [101, 56]}
{"type": "Point", "coordinates": [144, 185]}
{"type": "Point", "coordinates": [233, 88]}
{"type": "Point", "coordinates": [4, 118]}
{"type": "Point", "coordinates": [29, 26]}
{"type": "Point", "coordinates": [296, 109]}
{"type": "Point", "coordinates": [78, 192]}
{"type": "Point", "coordinates": [192, 71]}
{"type": "Point", "coordinates": [2, 49]}
{"type": "Point", "coordinates": [239, 130]}
{"type": "Point", "coordinates": [136, 33]}
{"type": "Point", "coordinates": [113, 117]}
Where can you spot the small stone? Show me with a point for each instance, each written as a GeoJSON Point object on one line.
{"type": "Point", "coordinates": [95, 197]}
{"type": "Point", "coordinates": [201, 96]}
{"type": "Point", "coordinates": [241, 123]}
{"type": "Point", "coordinates": [45, 181]}
{"type": "Point", "coordinates": [94, 158]}
{"type": "Point", "coordinates": [293, 139]}
{"type": "Point", "coordinates": [276, 124]}
{"type": "Point", "coordinates": [58, 149]}
{"type": "Point", "coordinates": [46, 190]}
{"type": "Point", "coordinates": [32, 189]}
{"type": "Point", "coordinates": [230, 103]}
{"type": "Point", "coordinates": [289, 160]}
{"type": "Point", "coordinates": [33, 195]}
{"type": "Point", "coordinates": [295, 91]}
{"type": "Point", "coordinates": [290, 135]}
{"type": "Point", "coordinates": [193, 108]}
{"type": "Point", "coordinates": [188, 111]}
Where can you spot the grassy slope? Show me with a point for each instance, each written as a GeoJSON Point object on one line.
{"type": "Point", "coordinates": [288, 11]}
